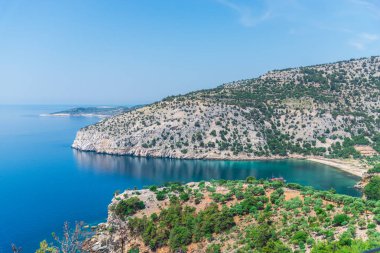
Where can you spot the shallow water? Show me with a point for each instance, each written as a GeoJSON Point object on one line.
{"type": "Point", "coordinates": [43, 182]}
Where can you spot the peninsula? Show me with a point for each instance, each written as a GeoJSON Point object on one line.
{"type": "Point", "coordinates": [323, 111]}
{"type": "Point", "coordinates": [95, 111]}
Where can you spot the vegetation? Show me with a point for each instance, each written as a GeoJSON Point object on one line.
{"type": "Point", "coordinates": [372, 189]}
{"type": "Point", "coordinates": [178, 226]}
{"type": "Point", "coordinates": [375, 169]}
{"type": "Point", "coordinates": [71, 241]}
{"type": "Point", "coordinates": [323, 110]}
{"type": "Point", "coordinates": [128, 207]}
{"type": "Point", "coordinates": [341, 219]}
{"type": "Point", "coordinates": [253, 216]}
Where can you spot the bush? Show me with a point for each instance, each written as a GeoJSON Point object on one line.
{"type": "Point", "coordinates": [160, 195]}
{"type": "Point", "coordinates": [134, 250]}
{"type": "Point", "coordinates": [153, 188]}
{"type": "Point", "coordinates": [276, 195]}
{"type": "Point", "coordinates": [177, 226]}
{"type": "Point", "coordinates": [357, 246]}
{"type": "Point", "coordinates": [300, 237]}
{"type": "Point", "coordinates": [250, 179]}
{"type": "Point", "coordinates": [372, 189]}
{"type": "Point", "coordinates": [375, 169]}
{"type": "Point", "coordinates": [184, 196]}
{"type": "Point", "coordinates": [340, 219]}
{"type": "Point", "coordinates": [213, 248]}
{"type": "Point", "coordinates": [127, 207]}
{"type": "Point", "coordinates": [179, 236]}
{"type": "Point", "coordinates": [377, 218]}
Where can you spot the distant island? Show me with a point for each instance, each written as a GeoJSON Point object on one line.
{"type": "Point", "coordinates": [95, 111]}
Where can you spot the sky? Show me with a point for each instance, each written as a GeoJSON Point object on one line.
{"type": "Point", "coordinates": [140, 51]}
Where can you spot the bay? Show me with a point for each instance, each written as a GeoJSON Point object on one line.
{"type": "Point", "coordinates": [43, 182]}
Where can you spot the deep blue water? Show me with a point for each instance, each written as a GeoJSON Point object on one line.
{"type": "Point", "coordinates": [43, 182]}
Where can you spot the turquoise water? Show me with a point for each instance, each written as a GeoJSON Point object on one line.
{"type": "Point", "coordinates": [43, 182]}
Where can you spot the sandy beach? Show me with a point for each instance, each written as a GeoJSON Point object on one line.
{"type": "Point", "coordinates": [351, 166]}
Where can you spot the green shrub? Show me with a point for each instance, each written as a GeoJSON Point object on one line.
{"type": "Point", "coordinates": [372, 189]}
{"type": "Point", "coordinates": [179, 237]}
{"type": "Point", "coordinates": [127, 207]}
{"type": "Point", "coordinates": [276, 195]}
{"type": "Point", "coordinates": [340, 219]}
{"type": "Point", "coordinates": [356, 246]}
{"type": "Point", "coordinates": [214, 248]}
{"type": "Point", "coordinates": [184, 196]}
{"type": "Point", "coordinates": [300, 237]}
{"type": "Point", "coordinates": [377, 218]}
{"type": "Point", "coordinates": [134, 250]}
{"type": "Point", "coordinates": [375, 169]}
{"type": "Point", "coordinates": [250, 179]}
{"type": "Point", "coordinates": [160, 195]}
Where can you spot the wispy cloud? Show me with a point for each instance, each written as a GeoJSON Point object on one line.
{"type": "Point", "coordinates": [362, 40]}
{"type": "Point", "coordinates": [246, 13]}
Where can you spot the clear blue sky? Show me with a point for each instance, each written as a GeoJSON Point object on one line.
{"type": "Point", "coordinates": [139, 51]}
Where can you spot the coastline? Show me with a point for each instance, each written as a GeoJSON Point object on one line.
{"type": "Point", "coordinates": [88, 115]}
{"type": "Point", "coordinates": [351, 166]}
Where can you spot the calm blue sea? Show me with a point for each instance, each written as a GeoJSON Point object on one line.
{"type": "Point", "coordinates": [43, 182]}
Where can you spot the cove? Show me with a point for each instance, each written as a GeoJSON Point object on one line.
{"type": "Point", "coordinates": [43, 182]}
{"type": "Point", "coordinates": [143, 172]}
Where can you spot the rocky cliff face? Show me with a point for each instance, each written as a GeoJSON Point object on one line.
{"type": "Point", "coordinates": [300, 111]}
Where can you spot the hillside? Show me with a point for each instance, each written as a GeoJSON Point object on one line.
{"type": "Point", "coordinates": [324, 110]}
{"type": "Point", "coordinates": [237, 216]}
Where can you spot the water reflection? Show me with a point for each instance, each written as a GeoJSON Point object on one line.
{"type": "Point", "coordinates": [157, 171]}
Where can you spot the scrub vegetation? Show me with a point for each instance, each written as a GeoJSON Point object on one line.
{"type": "Point", "coordinates": [240, 216]}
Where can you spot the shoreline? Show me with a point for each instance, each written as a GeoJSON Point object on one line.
{"type": "Point", "coordinates": [351, 166]}
{"type": "Point", "coordinates": [86, 115]}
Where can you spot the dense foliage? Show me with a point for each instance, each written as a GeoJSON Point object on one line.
{"type": "Point", "coordinates": [258, 216]}
{"type": "Point", "coordinates": [127, 207]}
{"type": "Point", "coordinates": [375, 169]}
{"type": "Point", "coordinates": [177, 226]}
{"type": "Point", "coordinates": [372, 189]}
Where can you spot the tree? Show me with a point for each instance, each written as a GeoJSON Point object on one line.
{"type": "Point", "coordinates": [71, 241]}
{"type": "Point", "coordinates": [179, 237]}
{"type": "Point", "coordinates": [372, 189]}
{"type": "Point", "coordinates": [300, 237]}
{"type": "Point", "coordinates": [375, 169]}
{"type": "Point", "coordinates": [45, 248]}
{"type": "Point", "coordinates": [250, 179]}
{"type": "Point", "coordinates": [340, 219]}
{"type": "Point", "coordinates": [184, 196]}
{"type": "Point", "coordinates": [160, 195]}
{"type": "Point", "coordinates": [260, 235]}
{"type": "Point", "coordinates": [356, 246]}
{"type": "Point", "coordinates": [129, 206]}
